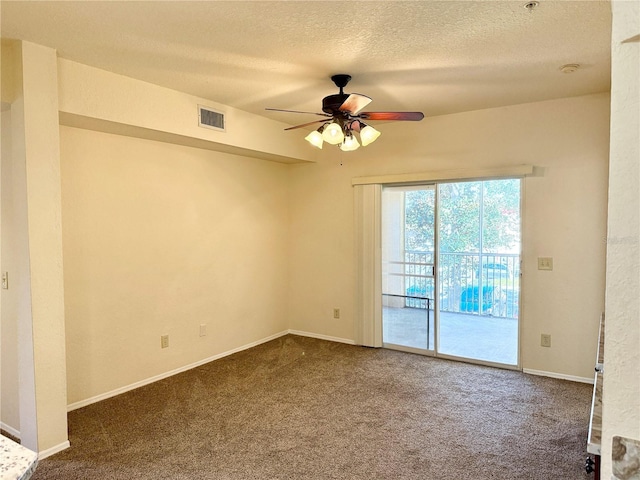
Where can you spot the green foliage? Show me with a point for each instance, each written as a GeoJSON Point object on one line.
{"type": "Point", "coordinates": [419, 220]}
{"type": "Point", "coordinates": [501, 216]}
{"type": "Point", "coordinates": [460, 217]}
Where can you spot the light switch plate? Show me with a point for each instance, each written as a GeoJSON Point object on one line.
{"type": "Point", "coordinates": [545, 263]}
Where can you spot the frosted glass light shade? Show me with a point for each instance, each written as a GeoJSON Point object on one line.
{"type": "Point", "coordinates": [350, 144]}
{"type": "Point", "coordinates": [315, 139]}
{"type": "Point", "coordinates": [368, 135]}
{"type": "Point", "coordinates": [333, 134]}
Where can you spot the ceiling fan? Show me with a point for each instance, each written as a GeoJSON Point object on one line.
{"type": "Point", "coordinates": [343, 117]}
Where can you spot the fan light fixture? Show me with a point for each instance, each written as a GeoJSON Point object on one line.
{"type": "Point", "coordinates": [333, 134]}
{"type": "Point", "coordinates": [368, 135]}
{"type": "Point", "coordinates": [315, 138]}
{"type": "Point", "coordinates": [350, 144]}
{"type": "Point", "coordinates": [343, 136]}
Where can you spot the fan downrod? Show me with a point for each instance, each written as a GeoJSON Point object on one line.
{"type": "Point", "coordinates": [341, 81]}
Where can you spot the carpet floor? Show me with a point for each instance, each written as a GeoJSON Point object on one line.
{"type": "Point", "coordinates": [302, 408]}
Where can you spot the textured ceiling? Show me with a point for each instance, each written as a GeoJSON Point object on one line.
{"type": "Point", "coordinates": [438, 57]}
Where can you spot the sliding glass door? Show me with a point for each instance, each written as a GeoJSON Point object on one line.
{"type": "Point", "coordinates": [451, 269]}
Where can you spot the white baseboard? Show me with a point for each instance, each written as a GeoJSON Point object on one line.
{"type": "Point", "coordinates": [10, 430]}
{"type": "Point", "coordinates": [322, 337]}
{"type": "Point", "coordinates": [561, 376]}
{"type": "Point", "coordinates": [147, 381]}
{"type": "Point", "coordinates": [53, 450]}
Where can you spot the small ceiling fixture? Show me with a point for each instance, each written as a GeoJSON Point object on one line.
{"type": "Point", "coordinates": [569, 68]}
{"type": "Point", "coordinates": [531, 5]}
{"type": "Point", "coordinates": [343, 119]}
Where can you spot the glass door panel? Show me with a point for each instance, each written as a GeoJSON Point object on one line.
{"type": "Point", "coordinates": [408, 267]}
{"type": "Point", "coordinates": [479, 270]}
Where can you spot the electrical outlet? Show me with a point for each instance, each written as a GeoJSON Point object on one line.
{"type": "Point", "coordinates": [336, 313]}
{"type": "Point", "coordinates": [545, 340]}
{"type": "Point", "coordinates": [5, 280]}
{"type": "Point", "coordinates": [203, 329]}
{"type": "Point", "coordinates": [164, 341]}
{"type": "Point", "coordinates": [545, 263]}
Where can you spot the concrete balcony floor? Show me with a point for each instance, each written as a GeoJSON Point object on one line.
{"type": "Point", "coordinates": [485, 338]}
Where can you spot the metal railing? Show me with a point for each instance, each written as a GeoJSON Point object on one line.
{"type": "Point", "coordinates": [480, 284]}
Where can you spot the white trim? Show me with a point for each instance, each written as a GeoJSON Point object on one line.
{"type": "Point", "coordinates": [561, 376]}
{"type": "Point", "coordinates": [322, 337]}
{"type": "Point", "coordinates": [53, 450]}
{"type": "Point", "coordinates": [514, 171]}
{"type": "Point", "coordinates": [523, 274]}
{"type": "Point", "coordinates": [404, 348]}
{"type": "Point", "coordinates": [147, 381]}
{"type": "Point", "coordinates": [10, 430]}
{"type": "Point", "coordinates": [475, 361]}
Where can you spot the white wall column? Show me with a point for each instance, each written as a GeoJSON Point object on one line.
{"type": "Point", "coordinates": [621, 390]}
{"type": "Point", "coordinates": [41, 334]}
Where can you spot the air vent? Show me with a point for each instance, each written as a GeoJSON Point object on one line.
{"type": "Point", "coordinates": [208, 118]}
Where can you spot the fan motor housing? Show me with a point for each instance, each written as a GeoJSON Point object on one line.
{"type": "Point", "coordinates": [332, 103]}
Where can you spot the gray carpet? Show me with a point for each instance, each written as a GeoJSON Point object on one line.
{"type": "Point", "coordinates": [301, 408]}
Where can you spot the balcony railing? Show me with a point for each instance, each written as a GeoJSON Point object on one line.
{"type": "Point", "coordinates": [479, 284]}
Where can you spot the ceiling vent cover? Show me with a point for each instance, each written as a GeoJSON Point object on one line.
{"type": "Point", "coordinates": [209, 118]}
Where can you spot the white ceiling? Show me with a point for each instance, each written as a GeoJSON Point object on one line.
{"type": "Point", "coordinates": [438, 57]}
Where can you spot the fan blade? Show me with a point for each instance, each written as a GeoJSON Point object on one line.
{"type": "Point", "coordinates": [406, 116]}
{"type": "Point", "coordinates": [354, 103]}
{"type": "Point", "coordinates": [306, 124]}
{"type": "Point", "coordinates": [297, 111]}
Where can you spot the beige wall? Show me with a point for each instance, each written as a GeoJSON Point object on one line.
{"type": "Point", "coordinates": [564, 215]}
{"type": "Point", "coordinates": [201, 238]}
{"type": "Point", "coordinates": [9, 73]}
{"type": "Point", "coordinates": [621, 392]}
{"type": "Point", "coordinates": [159, 239]}
{"type": "Point", "coordinates": [98, 99]}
